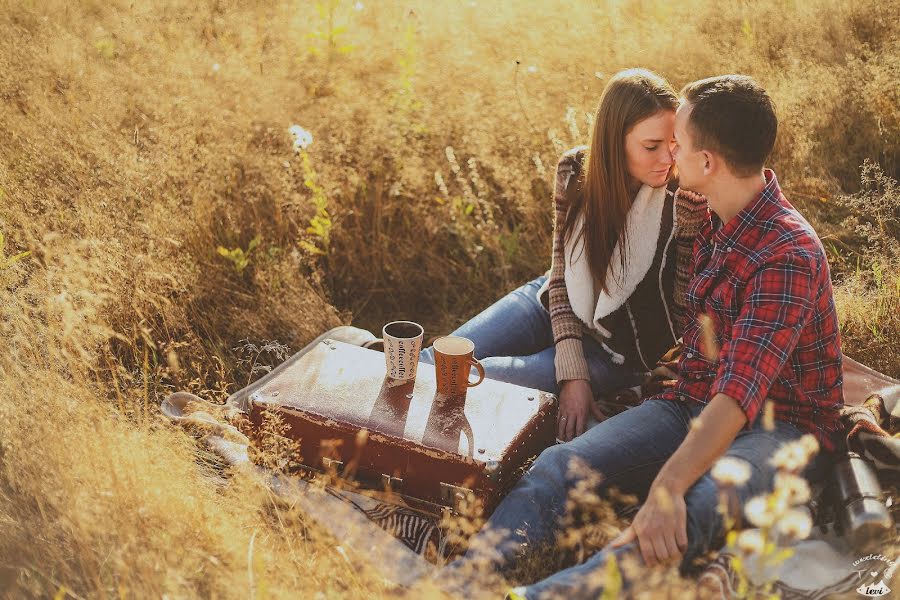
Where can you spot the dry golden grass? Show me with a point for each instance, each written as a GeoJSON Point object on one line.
{"type": "Point", "coordinates": [139, 138]}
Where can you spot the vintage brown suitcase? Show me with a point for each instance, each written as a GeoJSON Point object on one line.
{"type": "Point", "coordinates": [422, 445]}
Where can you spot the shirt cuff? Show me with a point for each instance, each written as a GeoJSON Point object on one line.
{"type": "Point", "coordinates": [745, 393]}
{"type": "Point", "coordinates": [570, 361]}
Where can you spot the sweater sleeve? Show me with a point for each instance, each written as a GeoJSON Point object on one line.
{"type": "Point", "coordinates": [691, 213]}
{"type": "Point", "coordinates": [567, 327]}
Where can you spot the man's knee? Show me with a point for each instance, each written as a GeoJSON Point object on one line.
{"type": "Point", "coordinates": [563, 465]}
{"type": "Point", "coordinates": [555, 465]}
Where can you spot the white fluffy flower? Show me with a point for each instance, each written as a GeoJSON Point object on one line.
{"type": "Point", "coordinates": [750, 541]}
{"type": "Point", "coordinates": [730, 471]}
{"type": "Point", "coordinates": [793, 487]}
{"type": "Point", "coordinates": [810, 443]}
{"type": "Point", "coordinates": [795, 525]}
{"type": "Point", "coordinates": [302, 138]}
{"type": "Point", "coordinates": [790, 457]}
{"type": "Point", "coordinates": [758, 512]}
{"type": "Point", "coordinates": [793, 456]}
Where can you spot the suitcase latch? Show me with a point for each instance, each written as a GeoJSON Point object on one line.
{"type": "Point", "coordinates": [390, 482]}
{"type": "Point", "coordinates": [330, 462]}
{"type": "Point", "coordinates": [452, 495]}
{"type": "Point", "coordinates": [492, 470]}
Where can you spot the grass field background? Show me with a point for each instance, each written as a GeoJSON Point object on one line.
{"type": "Point", "coordinates": [159, 226]}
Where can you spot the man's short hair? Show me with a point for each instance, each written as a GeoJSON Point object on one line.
{"type": "Point", "coordinates": [732, 115]}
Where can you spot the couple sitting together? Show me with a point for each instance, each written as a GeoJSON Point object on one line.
{"type": "Point", "coordinates": [667, 227]}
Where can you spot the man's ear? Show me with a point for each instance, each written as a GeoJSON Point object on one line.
{"type": "Point", "coordinates": [710, 162]}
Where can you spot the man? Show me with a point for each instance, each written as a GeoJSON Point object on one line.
{"type": "Point", "coordinates": [761, 277]}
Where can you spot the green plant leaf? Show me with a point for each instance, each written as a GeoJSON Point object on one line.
{"type": "Point", "coordinates": [310, 247]}
{"type": "Point", "coordinates": [613, 579]}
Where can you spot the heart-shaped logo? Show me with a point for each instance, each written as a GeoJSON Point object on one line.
{"type": "Point", "coordinates": [874, 573]}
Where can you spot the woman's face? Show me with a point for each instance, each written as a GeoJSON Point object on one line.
{"type": "Point", "coordinates": [648, 149]}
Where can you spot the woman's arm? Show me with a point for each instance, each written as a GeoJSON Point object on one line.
{"type": "Point", "coordinates": [567, 327]}
{"type": "Point", "coordinates": [691, 212]}
{"type": "Point", "coordinates": [576, 398]}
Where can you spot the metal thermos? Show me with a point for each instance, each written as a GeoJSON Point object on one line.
{"type": "Point", "coordinates": [859, 503]}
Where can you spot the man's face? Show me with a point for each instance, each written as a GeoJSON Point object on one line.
{"type": "Point", "coordinates": [691, 161]}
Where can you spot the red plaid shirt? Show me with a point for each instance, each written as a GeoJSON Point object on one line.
{"type": "Point", "coordinates": [763, 279]}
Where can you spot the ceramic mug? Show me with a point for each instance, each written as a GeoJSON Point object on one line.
{"type": "Point", "coordinates": [453, 361]}
{"type": "Point", "coordinates": [402, 344]}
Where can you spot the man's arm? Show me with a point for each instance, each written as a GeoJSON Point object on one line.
{"type": "Point", "coordinates": [661, 525]}
{"type": "Point", "coordinates": [710, 436]}
{"type": "Point", "coordinates": [778, 303]}
{"type": "Point", "coordinates": [775, 307]}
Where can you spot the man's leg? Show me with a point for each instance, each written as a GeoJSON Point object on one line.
{"type": "Point", "coordinates": [628, 449]}
{"type": "Point", "coordinates": [705, 526]}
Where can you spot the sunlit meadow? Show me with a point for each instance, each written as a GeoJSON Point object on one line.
{"type": "Point", "coordinates": [181, 181]}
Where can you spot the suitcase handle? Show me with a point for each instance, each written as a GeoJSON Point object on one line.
{"type": "Point", "coordinates": [364, 476]}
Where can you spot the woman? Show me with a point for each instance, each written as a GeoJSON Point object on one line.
{"type": "Point", "coordinates": [610, 305]}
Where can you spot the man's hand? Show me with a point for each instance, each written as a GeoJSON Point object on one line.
{"type": "Point", "coordinates": [660, 527]}
{"type": "Point", "coordinates": [576, 401]}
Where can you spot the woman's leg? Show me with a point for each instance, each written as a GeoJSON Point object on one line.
{"type": "Point", "coordinates": [514, 342]}
{"type": "Point", "coordinates": [538, 370]}
{"type": "Point", "coordinates": [515, 325]}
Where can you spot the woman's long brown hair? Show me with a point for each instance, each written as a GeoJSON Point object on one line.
{"type": "Point", "coordinates": [628, 98]}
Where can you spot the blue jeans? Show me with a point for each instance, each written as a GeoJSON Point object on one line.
{"type": "Point", "coordinates": [514, 343]}
{"type": "Point", "coordinates": [628, 449]}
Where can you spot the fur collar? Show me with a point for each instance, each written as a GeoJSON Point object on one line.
{"type": "Point", "coordinates": [642, 228]}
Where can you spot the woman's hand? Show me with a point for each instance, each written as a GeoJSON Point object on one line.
{"type": "Point", "coordinates": [576, 401]}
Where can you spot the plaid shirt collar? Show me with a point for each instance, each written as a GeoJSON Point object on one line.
{"type": "Point", "coordinates": [752, 214]}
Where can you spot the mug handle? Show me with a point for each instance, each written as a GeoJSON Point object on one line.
{"type": "Point", "coordinates": [474, 362]}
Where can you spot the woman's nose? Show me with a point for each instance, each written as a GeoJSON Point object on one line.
{"type": "Point", "coordinates": [668, 157]}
